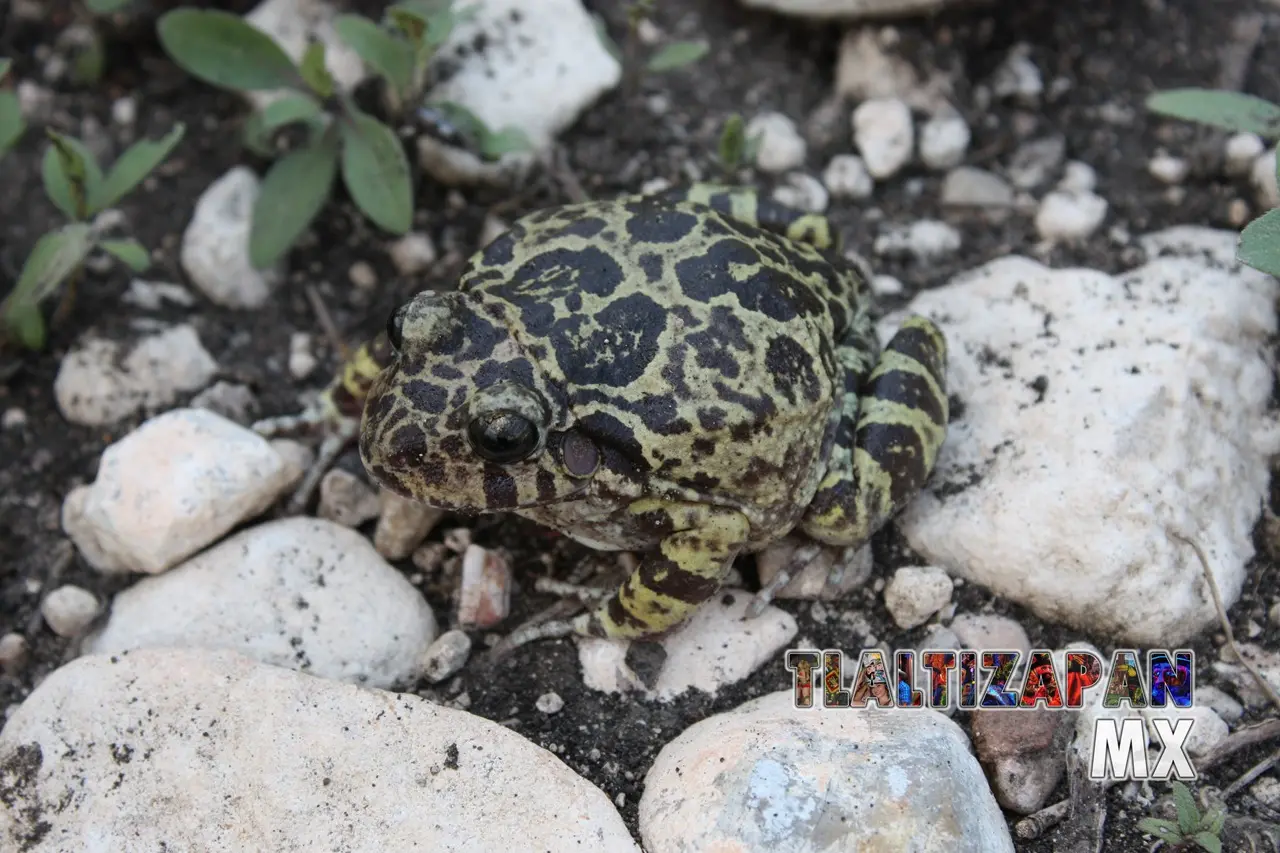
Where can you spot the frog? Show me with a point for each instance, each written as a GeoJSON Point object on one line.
{"type": "Point", "coordinates": [690, 375]}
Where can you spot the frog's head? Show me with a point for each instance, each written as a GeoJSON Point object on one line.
{"type": "Point", "coordinates": [464, 418]}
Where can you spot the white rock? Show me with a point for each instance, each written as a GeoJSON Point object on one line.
{"type": "Point", "coordinates": [346, 499]}
{"type": "Point", "coordinates": [1263, 178]}
{"type": "Point", "coordinates": [1105, 387]}
{"type": "Point", "coordinates": [970, 187]}
{"type": "Point", "coordinates": [549, 703]}
{"type": "Point", "coordinates": [1069, 216]}
{"type": "Point", "coordinates": [169, 488]}
{"type": "Point", "coordinates": [301, 593]}
{"type": "Point", "coordinates": [484, 593]}
{"type": "Point", "coordinates": [446, 655]}
{"type": "Point", "coordinates": [211, 751]}
{"type": "Point", "coordinates": [151, 295]}
{"type": "Point", "coordinates": [781, 147]}
{"type": "Point", "coordinates": [915, 593]}
{"type": "Point", "coordinates": [817, 579]}
{"type": "Point", "coordinates": [1224, 705]}
{"type": "Point", "coordinates": [1240, 151]}
{"type": "Point", "coordinates": [887, 285]}
{"type": "Point", "coordinates": [988, 631]}
{"type": "Point", "coordinates": [802, 192]}
{"type": "Point", "coordinates": [124, 111]}
{"type": "Point", "coordinates": [100, 382]}
{"type": "Point", "coordinates": [769, 776]}
{"type": "Point", "coordinates": [402, 525]}
{"type": "Point", "coordinates": [413, 253]}
{"type": "Point", "coordinates": [1207, 728]}
{"type": "Point", "coordinates": [944, 139]}
{"type": "Point", "coordinates": [69, 610]}
{"type": "Point", "coordinates": [716, 647]}
{"type": "Point", "coordinates": [215, 246]}
{"type": "Point", "coordinates": [1078, 177]}
{"type": "Point", "coordinates": [535, 72]}
{"type": "Point", "coordinates": [294, 24]}
{"type": "Point", "coordinates": [925, 240]}
{"type": "Point", "coordinates": [882, 131]}
{"type": "Point", "coordinates": [1267, 790]}
{"type": "Point", "coordinates": [363, 275]}
{"type": "Point", "coordinates": [851, 9]}
{"type": "Point", "coordinates": [846, 176]}
{"type": "Point", "coordinates": [13, 418]}
{"type": "Point", "coordinates": [866, 70]}
{"type": "Point", "coordinates": [13, 653]}
{"type": "Point", "coordinates": [1168, 169]}
{"type": "Point", "coordinates": [302, 361]}
{"type": "Point", "coordinates": [1018, 77]}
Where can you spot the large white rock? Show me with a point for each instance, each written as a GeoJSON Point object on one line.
{"type": "Point", "coordinates": [100, 382]}
{"type": "Point", "coordinates": [1100, 412]}
{"type": "Point", "coordinates": [851, 9]}
{"type": "Point", "coordinates": [767, 776]}
{"type": "Point", "coordinates": [171, 487]}
{"type": "Point", "coordinates": [215, 246]}
{"type": "Point", "coordinates": [185, 750]}
{"type": "Point", "coordinates": [537, 70]}
{"type": "Point", "coordinates": [302, 593]}
{"type": "Point", "coordinates": [294, 24]}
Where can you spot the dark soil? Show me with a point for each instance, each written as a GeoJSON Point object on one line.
{"type": "Point", "coordinates": [1107, 53]}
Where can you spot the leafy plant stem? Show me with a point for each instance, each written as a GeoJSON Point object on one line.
{"type": "Point", "coordinates": [67, 301]}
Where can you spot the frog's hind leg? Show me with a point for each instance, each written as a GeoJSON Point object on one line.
{"type": "Point", "coordinates": [887, 441]}
{"type": "Point", "coordinates": [670, 583]}
{"type": "Point", "coordinates": [747, 205]}
{"type": "Point", "coordinates": [336, 412]}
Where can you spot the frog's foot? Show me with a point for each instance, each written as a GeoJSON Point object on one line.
{"type": "Point", "coordinates": [585, 594]}
{"type": "Point", "coordinates": [339, 431]}
{"type": "Point", "coordinates": [797, 563]}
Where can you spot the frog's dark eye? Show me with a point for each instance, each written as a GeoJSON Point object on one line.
{"type": "Point", "coordinates": [503, 437]}
{"type": "Point", "coordinates": [395, 328]}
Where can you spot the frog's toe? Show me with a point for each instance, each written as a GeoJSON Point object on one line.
{"type": "Point", "coordinates": [341, 433]}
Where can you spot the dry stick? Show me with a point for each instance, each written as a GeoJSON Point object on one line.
{"type": "Point", "coordinates": [1034, 825]}
{"type": "Point", "coordinates": [1263, 684]}
{"type": "Point", "coordinates": [1240, 739]}
{"type": "Point", "coordinates": [1234, 56]}
{"type": "Point", "coordinates": [327, 324]}
{"type": "Point", "coordinates": [1252, 773]}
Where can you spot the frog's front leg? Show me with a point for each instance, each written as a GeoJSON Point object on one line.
{"type": "Point", "coordinates": [888, 440]}
{"type": "Point", "coordinates": [747, 205]}
{"type": "Point", "coordinates": [336, 412]}
{"type": "Point", "coordinates": [671, 582]}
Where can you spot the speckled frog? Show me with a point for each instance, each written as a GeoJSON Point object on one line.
{"type": "Point", "coordinates": [691, 375]}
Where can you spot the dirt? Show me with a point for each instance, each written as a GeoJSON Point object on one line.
{"type": "Point", "coordinates": [1108, 56]}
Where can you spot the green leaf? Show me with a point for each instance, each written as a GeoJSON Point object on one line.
{"type": "Point", "coordinates": [1259, 245]}
{"type": "Point", "coordinates": [1228, 110]}
{"type": "Point", "coordinates": [4, 66]}
{"type": "Point", "coordinates": [387, 55]}
{"type": "Point", "coordinates": [286, 110]}
{"type": "Point", "coordinates": [1160, 828]}
{"type": "Point", "coordinates": [138, 161]}
{"type": "Point", "coordinates": [1214, 820]}
{"type": "Point", "coordinates": [293, 192]}
{"type": "Point", "coordinates": [1208, 841]}
{"type": "Point", "coordinates": [677, 55]}
{"type": "Point", "coordinates": [437, 18]}
{"type": "Point", "coordinates": [71, 175]}
{"type": "Point", "coordinates": [314, 72]}
{"type": "Point", "coordinates": [1185, 803]}
{"type": "Point", "coordinates": [12, 124]}
{"type": "Point", "coordinates": [105, 7]}
{"type": "Point", "coordinates": [132, 253]}
{"type": "Point", "coordinates": [25, 324]}
{"type": "Point", "coordinates": [732, 142]}
{"type": "Point", "coordinates": [54, 257]}
{"type": "Point", "coordinates": [509, 140]}
{"type": "Point", "coordinates": [376, 172]}
{"type": "Point", "coordinates": [90, 61]}
{"type": "Point", "coordinates": [224, 50]}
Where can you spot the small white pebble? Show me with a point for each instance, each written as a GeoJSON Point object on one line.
{"type": "Point", "coordinates": [1168, 169]}
{"type": "Point", "coordinates": [1240, 151]}
{"type": "Point", "coordinates": [802, 192]}
{"type": "Point", "coordinates": [301, 360]}
{"type": "Point", "coordinates": [846, 176]}
{"type": "Point", "coordinates": [446, 655]}
{"type": "Point", "coordinates": [1238, 212]}
{"type": "Point", "coordinates": [124, 111]}
{"type": "Point", "coordinates": [654, 186]}
{"type": "Point", "coordinates": [943, 141]}
{"type": "Point", "coordinates": [69, 610]}
{"type": "Point", "coordinates": [413, 253]}
{"type": "Point", "coordinates": [883, 133]}
{"type": "Point", "coordinates": [1263, 179]}
{"type": "Point", "coordinates": [362, 275]}
{"type": "Point", "coordinates": [13, 418]}
{"type": "Point", "coordinates": [886, 285]}
{"type": "Point", "coordinates": [1078, 177]}
{"type": "Point", "coordinates": [13, 653]}
{"type": "Point", "coordinates": [925, 240]}
{"type": "Point", "coordinates": [1067, 216]}
{"type": "Point", "coordinates": [782, 148]}
{"type": "Point", "coordinates": [549, 703]}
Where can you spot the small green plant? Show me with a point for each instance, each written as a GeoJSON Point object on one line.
{"type": "Point", "coordinates": [12, 124]}
{"type": "Point", "coordinates": [669, 57]}
{"type": "Point", "coordinates": [1192, 829]}
{"type": "Point", "coordinates": [225, 51]}
{"type": "Point", "coordinates": [106, 7]}
{"type": "Point", "coordinates": [736, 149]}
{"type": "Point", "coordinates": [79, 187]}
{"type": "Point", "coordinates": [1260, 240]}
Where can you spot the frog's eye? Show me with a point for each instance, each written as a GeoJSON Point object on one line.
{"type": "Point", "coordinates": [503, 437]}
{"type": "Point", "coordinates": [395, 328]}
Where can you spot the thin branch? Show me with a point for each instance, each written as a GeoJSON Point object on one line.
{"type": "Point", "coordinates": [1252, 773]}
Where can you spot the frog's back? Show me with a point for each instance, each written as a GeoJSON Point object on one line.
{"type": "Point", "coordinates": [698, 346]}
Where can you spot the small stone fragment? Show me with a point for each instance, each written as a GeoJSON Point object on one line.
{"type": "Point", "coordinates": [362, 275]}
{"type": "Point", "coordinates": [215, 246]}
{"type": "Point", "coordinates": [802, 192]}
{"type": "Point", "coordinates": [846, 176]}
{"type": "Point", "coordinates": [1078, 177]}
{"type": "Point", "coordinates": [1070, 216]}
{"type": "Point", "coordinates": [69, 610]}
{"type": "Point", "coordinates": [1034, 162]}
{"type": "Point", "coordinates": [302, 361]}
{"type": "Point", "coordinates": [1239, 153]}
{"type": "Point", "coordinates": [484, 596]}
{"type": "Point", "coordinates": [1168, 169]}
{"type": "Point", "coordinates": [924, 240]}
{"type": "Point", "coordinates": [866, 70]}
{"type": "Point", "coordinates": [782, 148]}
{"type": "Point", "coordinates": [13, 653]}
{"type": "Point", "coordinates": [915, 593]}
{"type": "Point", "coordinates": [1219, 702]}
{"type": "Point", "coordinates": [1263, 179]}
{"type": "Point", "coordinates": [402, 525]}
{"type": "Point", "coordinates": [346, 499]}
{"type": "Point", "coordinates": [446, 655]}
{"type": "Point", "coordinates": [13, 418]}
{"type": "Point", "coordinates": [549, 703]}
{"type": "Point", "coordinates": [943, 141]}
{"type": "Point", "coordinates": [882, 131]}
{"type": "Point", "coordinates": [1018, 77]}
{"type": "Point", "coordinates": [970, 187]}
{"type": "Point", "coordinates": [413, 253]}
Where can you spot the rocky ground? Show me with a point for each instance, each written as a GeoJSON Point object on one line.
{"type": "Point", "coordinates": [1112, 389]}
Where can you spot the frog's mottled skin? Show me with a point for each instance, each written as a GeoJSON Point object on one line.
{"type": "Point", "coordinates": [696, 373]}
